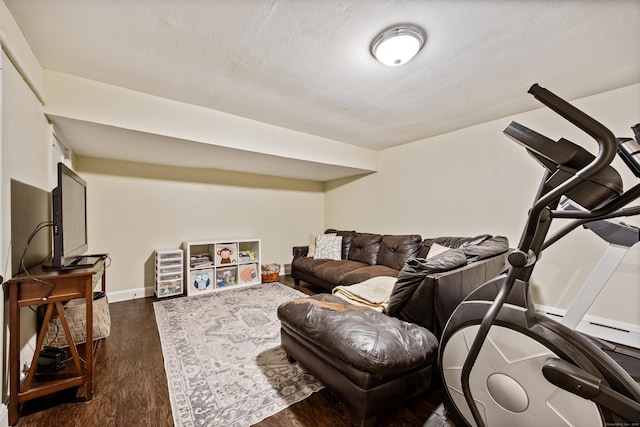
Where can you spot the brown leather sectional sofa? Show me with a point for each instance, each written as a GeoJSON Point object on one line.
{"type": "Point", "coordinates": [373, 361]}
{"type": "Point", "coordinates": [367, 255]}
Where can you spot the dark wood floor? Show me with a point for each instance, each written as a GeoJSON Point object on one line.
{"type": "Point", "coordinates": [130, 387]}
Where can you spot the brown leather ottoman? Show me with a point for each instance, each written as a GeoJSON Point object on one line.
{"type": "Point", "coordinates": [371, 361]}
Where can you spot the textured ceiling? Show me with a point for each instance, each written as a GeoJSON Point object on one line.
{"type": "Point", "coordinates": [306, 66]}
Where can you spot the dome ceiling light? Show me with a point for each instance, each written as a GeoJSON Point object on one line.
{"type": "Point", "coordinates": [396, 45]}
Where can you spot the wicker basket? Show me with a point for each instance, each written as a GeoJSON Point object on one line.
{"type": "Point", "coordinates": [75, 312]}
{"type": "Point", "coordinates": [270, 273]}
{"type": "Point", "coordinates": [273, 277]}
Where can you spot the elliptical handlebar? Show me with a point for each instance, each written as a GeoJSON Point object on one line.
{"type": "Point", "coordinates": [607, 143]}
{"type": "Point", "coordinates": [607, 149]}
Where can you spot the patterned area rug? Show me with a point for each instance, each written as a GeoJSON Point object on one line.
{"type": "Point", "coordinates": [223, 359]}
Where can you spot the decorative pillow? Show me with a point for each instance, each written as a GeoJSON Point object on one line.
{"type": "Point", "coordinates": [347, 237]}
{"type": "Point", "coordinates": [312, 243]}
{"type": "Point", "coordinates": [436, 249]}
{"type": "Point", "coordinates": [328, 247]}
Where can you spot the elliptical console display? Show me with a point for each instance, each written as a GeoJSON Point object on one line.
{"type": "Point", "coordinates": [503, 364]}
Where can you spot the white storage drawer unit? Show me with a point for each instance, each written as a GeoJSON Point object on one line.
{"type": "Point", "coordinates": [169, 272]}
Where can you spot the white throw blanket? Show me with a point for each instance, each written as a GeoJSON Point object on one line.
{"type": "Point", "coordinates": [373, 293]}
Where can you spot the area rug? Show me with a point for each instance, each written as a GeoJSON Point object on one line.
{"type": "Point", "coordinates": [223, 359]}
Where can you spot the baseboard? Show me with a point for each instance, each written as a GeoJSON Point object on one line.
{"type": "Point", "coordinates": [4, 416]}
{"type": "Point", "coordinates": [130, 294]}
{"type": "Point", "coordinates": [599, 327]}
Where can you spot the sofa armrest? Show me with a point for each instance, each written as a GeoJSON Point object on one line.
{"type": "Point", "coordinates": [438, 295]}
{"type": "Point", "coordinates": [451, 289]}
{"type": "Point", "coordinates": [300, 251]}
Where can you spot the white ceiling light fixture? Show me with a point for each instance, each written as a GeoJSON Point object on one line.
{"type": "Point", "coordinates": [398, 44]}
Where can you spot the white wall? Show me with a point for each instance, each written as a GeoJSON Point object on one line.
{"type": "Point", "coordinates": [26, 158]}
{"type": "Point", "coordinates": [476, 181]}
{"type": "Point", "coordinates": [135, 208]}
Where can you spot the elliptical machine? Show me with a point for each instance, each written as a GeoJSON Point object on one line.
{"type": "Point", "coordinates": [503, 364]}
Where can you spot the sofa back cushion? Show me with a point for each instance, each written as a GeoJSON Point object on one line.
{"type": "Point", "coordinates": [460, 242]}
{"type": "Point", "coordinates": [364, 248]}
{"type": "Point", "coordinates": [486, 249]}
{"type": "Point", "coordinates": [347, 237]}
{"type": "Point", "coordinates": [395, 250]}
{"type": "Point", "coordinates": [475, 248]}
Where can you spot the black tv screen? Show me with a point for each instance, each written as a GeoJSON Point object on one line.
{"type": "Point", "coordinates": [69, 217]}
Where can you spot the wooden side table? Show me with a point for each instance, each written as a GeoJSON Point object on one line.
{"type": "Point", "coordinates": [51, 288]}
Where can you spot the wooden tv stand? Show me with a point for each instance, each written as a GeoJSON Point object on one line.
{"type": "Point", "coordinates": [57, 286]}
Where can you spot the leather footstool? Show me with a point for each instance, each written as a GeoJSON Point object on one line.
{"type": "Point", "coordinates": [369, 360]}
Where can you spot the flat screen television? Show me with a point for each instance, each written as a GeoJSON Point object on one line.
{"type": "Point", "coordinates": [69, 212]}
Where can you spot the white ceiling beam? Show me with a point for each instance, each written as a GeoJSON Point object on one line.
{"type": "Point", "coordinates": [95, 102]}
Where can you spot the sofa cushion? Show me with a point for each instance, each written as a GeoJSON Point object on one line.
{"type": "Point", "coordinates": [475, 248]}
{"type": "Point", "coordinates": [308, 264]}
{"type": "Point", "coordinates": [367, 272]}
{"type": "Point", "coordinates": [395, 250]}
{"type": "Point", "coordinates": [461, 242]}
{"type": "Point", "coordinates": [464, 243]}
{"type": "Point", "coordinates": [424, 248]}
{"type": "Point", "coordinates": [414, 272]}
{"type": "Point", "coordinates": [364, 248]}
{"type": "Point", "coordinates": [328, 247]}
{"type": "Point", "coordinates": [486, 249]}
{"type": "Point", "coordinates": [334, 271]}
{"type": "Point", "coordinates": [347, 237]}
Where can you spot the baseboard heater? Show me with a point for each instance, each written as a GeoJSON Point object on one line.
{"type": "Point", "coordinates": [598, 327]}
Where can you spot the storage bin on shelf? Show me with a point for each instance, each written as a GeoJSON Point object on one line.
{"type": "Point", "coordinates": [201, 281]}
